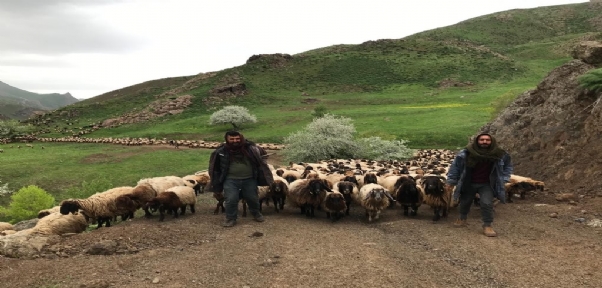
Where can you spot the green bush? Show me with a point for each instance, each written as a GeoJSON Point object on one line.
{"type": "Point", "coordinates": [375, 148]}
{"type": "Point", "coordinates": [319, 111]}
{"type": "Point", "coordinates": [26, 203]}
{"type": "Point", "coordinates": [591, 80]}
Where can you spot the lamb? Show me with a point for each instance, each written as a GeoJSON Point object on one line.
{"type": "Point", "coordinates": [173, 199]}
{"type": "Point", "coordinates": [436, 196]}
{"type": "Point", "coordinates": [276, 191]}
{"type": "Point", "coordinates": [198, 182]}
{"type": "Point", "coordinates": [6, 226]}
{"type": "Point", "coordinates": [373, 198]}
{"type": "Point", "coordinates": [307, 194]}
{"type": "Point", "coordinates": [102, 206]}
{"type": "Point", "coordinates": [220, 204]}
{"type": "Point", "coordinates": [333, 203]}
{"type": "Point", "coordinates": [58, 224]}
{"type": "Point", "coordinates": [46, 212]}
{"type": "Point", "coordinates": [408, 195]}
{"type": "Point", "coordinates": [348, 189]}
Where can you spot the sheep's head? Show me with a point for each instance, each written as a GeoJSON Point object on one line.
{"type": "Point", "coordinates": [317, 185]}
{"type": "Point", "coordinates": [345, 187]}
{"type": "Point", "coordinates": [433, 185]}
{"type": "Point", "coordinates": [125, 203]}
{"type": "Point", "coordinates": [351, 179]}
{"type": "Point", "coordinates": [370, 178]}
{"type": "Point", "coordinates": [153, 204]}
{"type": "Point", "coordinates": [278, 187]}
{"type": "Point", "coordinates": [69, 206]}
{"type": "Point", "coordinates": [377, 194]}
{"type": "Point", "coordinates": [290, 178]}
{"type": "Point", "coordinates": [280, 172]}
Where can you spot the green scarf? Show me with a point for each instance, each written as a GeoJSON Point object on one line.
{"type": "Point", "coordinates": [477, 154]}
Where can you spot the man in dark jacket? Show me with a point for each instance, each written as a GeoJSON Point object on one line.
{"type": "Point", "coordinates": [236, 169]}
{"type": "Point", "coordinates": [482, 167]}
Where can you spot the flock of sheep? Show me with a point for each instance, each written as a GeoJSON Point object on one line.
{"type": "Point", "coordinates": [331, 186]}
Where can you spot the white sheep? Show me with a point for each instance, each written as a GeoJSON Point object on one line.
{"type": "Point", "coordinates": [59, 224]}
{"type": "Point", "coordinates": [198, 182]}
{"type": "Point", "coordinates": [373, 198]}
{"type": "Point", "coordinates": [6, 226]}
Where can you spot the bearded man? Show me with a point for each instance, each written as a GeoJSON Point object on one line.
{"type": "Point", "coordinates": [236, 168]}
{"type": "Point", "coordinates": [482, 167]}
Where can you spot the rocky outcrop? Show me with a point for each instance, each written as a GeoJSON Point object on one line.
{"type": "Point", "coordinates": [553, 132]}
{"type": "Point", "coordinates": [589, 52]}
{"type": "Point", "coordinates": [156, 109]}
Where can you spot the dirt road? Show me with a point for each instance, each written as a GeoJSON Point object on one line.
{"type": "Point", "coordinates": [289, 250]}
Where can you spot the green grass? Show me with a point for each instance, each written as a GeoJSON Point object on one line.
{"type": "Point", "coordinates": [61, 166]}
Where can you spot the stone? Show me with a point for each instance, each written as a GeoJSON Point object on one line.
{"type": "Point", "coordinates": [25, 224]}
{"type": "Point", "coordinates": [156, 280]}
{"type": "Point", "coordinates": [104, 247]}
{"type": "Point", "coordinates": [553, 215]}
{"type": "Point", "coordinates": [565, 197]}
{"type": "Point", "coordinates": [589, 52]}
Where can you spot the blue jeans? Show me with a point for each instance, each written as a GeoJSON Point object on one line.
{"type": "Point", "coordinates": [234, 189]}
{"type": "Point", "coordinates": [486, 200]}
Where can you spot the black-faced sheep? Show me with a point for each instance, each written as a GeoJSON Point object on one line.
{"type": "Point", "coordinates": [408, 195]}
{"type": "Point", "coordinates": [46, 212]}
{"type": "Point", "coordinates": [373, 198]}
{"type": "Point", "coordinates": [348, 189]}
{"type": "Point", "coordinates": [198, 182]}
{"type": "Point", "coordinates": [291, 175]}
{"type": "Point", "coordinates": [307, 194]}
{"type": "Point", "coordinates": [436, 196]}
{"type": "Point", "coordinates": [276, 191]}
{"type": "Point", "coordinates": [173, 199]}
{"type": "Point", "coordinates": [333, 204]}
{"type": "Point", "coordinates": [102, 206]}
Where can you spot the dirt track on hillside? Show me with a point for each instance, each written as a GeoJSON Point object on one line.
{"type": "Point", "coordinates": [532, 250]}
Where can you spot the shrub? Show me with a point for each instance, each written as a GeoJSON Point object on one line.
{"type": "Point", "coordinates": [234, 115]}
{"type": "Point", "coordinates": [27, 202]}
{"type": "Point", "coordinates": [331, 137]}
{"type": "Point", "coordinates": [375, 148]}
{"type": "Point", "coordinates": [319, 111]}
{"type": "Point", "coordinates": [4, 190]}
{"type": "Point", "coordinates": [12, 128]}
{"type": "Point", "coordinates": [324, 138]}
{"type": "Point", "coordinates": [591, 80]}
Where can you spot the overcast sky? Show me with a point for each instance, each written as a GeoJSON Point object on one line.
{"type": "Point", "coordinates": [89, 47]}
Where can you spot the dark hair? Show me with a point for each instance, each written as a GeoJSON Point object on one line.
{"type": "Point", "coordinates": [231, 134]}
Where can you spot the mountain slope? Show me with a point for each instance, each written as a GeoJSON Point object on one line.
{"type": "Point", "coordinates": [20, 104]}
{"type": "Point", "coordinates": [444, 79]}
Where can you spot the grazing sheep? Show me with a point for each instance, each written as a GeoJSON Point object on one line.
{"type": "Point", "coordinates": [102, 206]}
{"type": "Point", "coordinates": [408, 195]}
{"type": "Point", "coordinates": [58, 224]}
{"type": "Point", "coordinates": [276, 191]}
{"type": "Point", "coordinates": [348, 189]}
{"type": "Point", "coordinates": [517, 188]}
{"type": "Point", "coordinates": [141, 194]}
{"type": "Point", "coordinates": [373, 198]}
{"type": "Point", "coordinates": [173, 199]}
{"type": "Point", "coordinates": [333, 203]}
{"type": "Point", "coordinates": [46, 212]}
{"type": "Point", "coordinates": [436, 196]}
{"type": "Point", "coordinates": [307, 194]}
{"type": "Point", "coordinates": [161, 184]}
{"type": "Point", "coordinates": [6, 226]}
{"type": "Point", "coordinates": [1, 150]}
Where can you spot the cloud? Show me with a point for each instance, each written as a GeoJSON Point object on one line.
{"type": "Point", "coordinates": [60, 27]}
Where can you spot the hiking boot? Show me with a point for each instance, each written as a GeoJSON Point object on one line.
{"type": "Point", "coordinates": [488, 231]}
{"type": "Point", "coordinates": [229, 223]}
{"type": "Point", "coordinates": [460, 223]}
{"type": "Point", "coordinates": [258, 217]}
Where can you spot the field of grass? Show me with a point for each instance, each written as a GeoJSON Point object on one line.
{"type": "Point", "coordinates": [60, 167]}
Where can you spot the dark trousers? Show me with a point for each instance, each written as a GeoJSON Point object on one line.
{"type": "Point", "coordinates": [234, 189]}
{"type": "Point", "coordinates": [486, 199]}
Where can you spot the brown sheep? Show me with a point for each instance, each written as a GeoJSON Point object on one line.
{"type": "Point", "coordinates": [307, 194]}
{"type": "Point", "coordinates": [436, 196]}
{"type": "Point", "coordinates": [173, 199]}
{"type": "Point", "coordinates": [408, 195]}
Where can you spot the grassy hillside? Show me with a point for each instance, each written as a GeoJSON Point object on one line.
{"type": "Point", "coordinates": [433, 88]}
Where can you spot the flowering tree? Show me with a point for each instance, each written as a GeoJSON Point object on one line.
{"type": "Point", "coordinates": [234, 115]}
